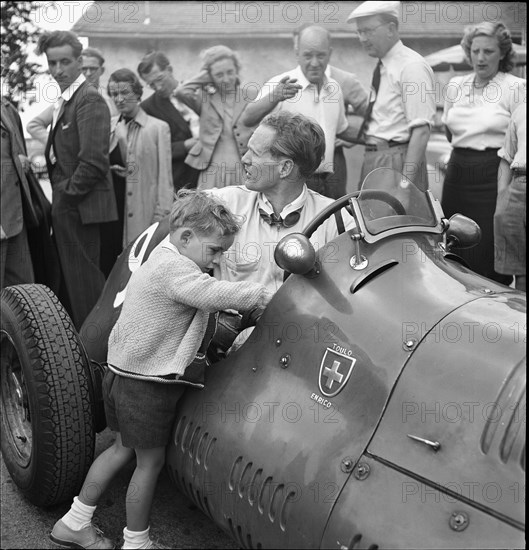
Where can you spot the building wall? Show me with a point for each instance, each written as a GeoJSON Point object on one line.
{"type": "Point", "coordinates": [260, 60]}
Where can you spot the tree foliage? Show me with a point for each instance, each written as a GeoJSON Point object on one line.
{"type": "Point", "coordinates": [18, 32]}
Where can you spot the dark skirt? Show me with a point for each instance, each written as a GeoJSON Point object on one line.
{"type": "Point", "coordinates": [470, 188]}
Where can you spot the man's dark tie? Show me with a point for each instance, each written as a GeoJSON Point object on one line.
{"type": "Point", "coordinates": [375, 85]}
{"type": "Point", "coordinates": [290, 219]}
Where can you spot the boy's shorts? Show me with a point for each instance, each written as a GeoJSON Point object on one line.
{"type": "Point", "coordinates": [143, 412]}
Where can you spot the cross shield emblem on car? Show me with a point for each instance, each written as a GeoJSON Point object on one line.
{"type": "Point", "coordinates": [335, 370]}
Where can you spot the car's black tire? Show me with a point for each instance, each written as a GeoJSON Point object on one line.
{"type": "Point", "coordinates": [47, 419]}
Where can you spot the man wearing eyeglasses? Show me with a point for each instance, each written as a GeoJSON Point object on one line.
{"type": "Point", "coordinates": [157, 72]}
{"type": "Point", "coordinates": [397, 124]}
{"type": "Point", "coordinates": [92, 67]}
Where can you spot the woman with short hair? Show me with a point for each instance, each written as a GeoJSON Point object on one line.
{"type": "Point", "coordinates": [216, 95]}
{"type": "Point", "coordinates": [140, 161]}
{"type": "Point", "coordinates": [477, 112]}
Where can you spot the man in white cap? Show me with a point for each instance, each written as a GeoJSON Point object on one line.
{"type": "Point", "coordinates": [397, 124]}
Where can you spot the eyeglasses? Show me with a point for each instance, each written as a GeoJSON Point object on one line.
{"type": "Point", "coordinates": [368, 33]}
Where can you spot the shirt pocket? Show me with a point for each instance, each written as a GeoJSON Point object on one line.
{"type": "Point", "coordinates": [242, 268]}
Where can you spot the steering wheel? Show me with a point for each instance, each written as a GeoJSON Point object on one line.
{"type": "Point", "coordinates": [326, 213]}
{"type": "Point", "coordinates": [340, 203]}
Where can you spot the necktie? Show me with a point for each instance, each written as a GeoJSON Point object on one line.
{"type": "Point", "coordinates": [290, 219]}
{"type": "Point", "coordinates": [375, 85]}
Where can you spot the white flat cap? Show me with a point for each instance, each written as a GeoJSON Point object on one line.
{"type": "Point", "coordinates": [367, 9]}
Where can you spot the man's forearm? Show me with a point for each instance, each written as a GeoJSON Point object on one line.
{"type": "Point", "coordinates": [415, 155]}
{"type": "Point", "coordinates": [256, 111]}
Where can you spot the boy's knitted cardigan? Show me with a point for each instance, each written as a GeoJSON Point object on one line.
{"type": "Point", "coordinates": [165, 314]}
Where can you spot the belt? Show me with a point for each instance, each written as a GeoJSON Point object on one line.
{"type": "Point", "coordinates": [519, 171]}
{"type": "Point", "coordinates": [385, 145]}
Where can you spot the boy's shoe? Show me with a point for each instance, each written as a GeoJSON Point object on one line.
{"type": "Point", "coordinates": [89, 537]}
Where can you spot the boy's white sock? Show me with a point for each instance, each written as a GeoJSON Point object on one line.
{"type": "Point", "coordinates": [79, 516]}
{"type": "Point", "coordinates": [136, 539]}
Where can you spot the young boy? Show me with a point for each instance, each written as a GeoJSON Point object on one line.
{"type": "Point", "coordinates": [157, 335]}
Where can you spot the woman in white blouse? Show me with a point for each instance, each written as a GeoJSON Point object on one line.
{"type": "Point", "coordinates": [477, 112]}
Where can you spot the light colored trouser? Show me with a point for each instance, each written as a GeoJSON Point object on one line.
{"type": "Point", "coordinates": [394, 157]}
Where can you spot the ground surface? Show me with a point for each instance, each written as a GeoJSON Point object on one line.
{"type": "Point", "coordinates": [176, 523]}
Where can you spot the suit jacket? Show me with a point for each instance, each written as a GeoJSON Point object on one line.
{"type": "Point", "coordinates": [80, 141]}
{"type": "Point", "coordinates": [201, 96]}
{"type": "Point", "coordinates": [15, 191]}
{"type": "Point", "coordinates": [149, 195]}
{"type": "Point", "coordinates": [162, 108]}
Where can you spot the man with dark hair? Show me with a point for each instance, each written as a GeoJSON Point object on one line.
{"type": "Point", "coordinates": [93, 68]}
{"type": "Point", "coordinates": [155, 69]}
{"type": "Point", "coordinates": [397, 124]}
{"type": "Point", "coordinates": [308, 90]}
{"type": "Point", "coordinates": [79, 170]}
{"type": "Point", "coordinates": [283, 152]}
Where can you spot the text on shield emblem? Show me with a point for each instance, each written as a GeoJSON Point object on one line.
{"type": "Point", "coordinates": [335, 370]}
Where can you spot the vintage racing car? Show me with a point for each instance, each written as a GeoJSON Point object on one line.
{"type": "Point", "coordinates": [378, 403]}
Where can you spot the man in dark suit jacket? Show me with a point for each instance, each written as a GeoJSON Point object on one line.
{"type": "Point", "coordinates": [79, 170]}
{"type": "Point", "coordinates": [16, 266]}
{"type": "Point", "coordinates": [157, 72]}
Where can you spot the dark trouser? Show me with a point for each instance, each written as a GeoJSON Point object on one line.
{"type": "Point", "coordinates": [318, 183]}
{"type": "Point", "coordinates": [78, 246]}
{"type": "Point", "coordinates": [471, 188]}
{"type": "Point", "coordinates": [337, 182]}
{"type": "Point", "coordinates": [16, 266]}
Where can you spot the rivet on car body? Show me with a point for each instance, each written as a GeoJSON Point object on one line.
{"type": "Point", "coordinates": [285, 360]}
{"type": "Point", "coordinates": [254, 369]}
{"type": "Point", "coordinates": [278, 342]}
{"type": "Point", "coordinates": [458, 521]}
{"type": "Point", "coordinates": [487, 291]}
{"type": "Point", "coordinates": [347, 465]}
{"type": "Point", "coordinates": [410, 344]}
{"type": "Point", "coordinates": [362, 471]}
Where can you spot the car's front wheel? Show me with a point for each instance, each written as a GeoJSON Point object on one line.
{"type": "Point", "coordinates": [47, 416]}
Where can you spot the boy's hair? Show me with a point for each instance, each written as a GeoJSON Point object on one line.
{"type": "Point", "coordinates": [202, 212]}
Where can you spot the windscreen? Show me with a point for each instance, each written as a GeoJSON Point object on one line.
{"type": "Point", "coordinates": [389, 200]}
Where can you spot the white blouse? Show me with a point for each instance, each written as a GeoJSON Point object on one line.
{"type": "Point", "coordinates": [478, 118]}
